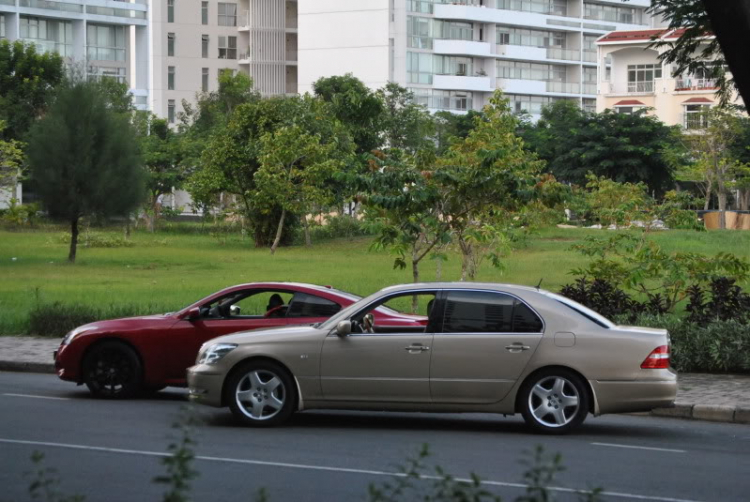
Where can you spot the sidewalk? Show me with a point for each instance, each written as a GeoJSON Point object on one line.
{"type": "Point", "coordinates": [720, 398]}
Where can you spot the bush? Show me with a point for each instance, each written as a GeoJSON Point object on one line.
{"type": "Point", "coordinates": [54, 320]}
{"type": "Point", "coordinates": [335, 227]}
{"type": "Point", "coordinates": [719, 347]}
{"type": "Point", "coordinates": [93, 240]}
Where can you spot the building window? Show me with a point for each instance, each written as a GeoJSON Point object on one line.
{"type": "Point", "coordinates": [204, 12]}
{"type": "Point", "coordinates": [641, 77]}
{"type": "Point", "coordinates": [170, 44]}
{"type": "Point", "coordinates": [696, 116]}
{"type": "Point", "coordinates": [170, 111]}
{"type": "Point", "coordinates": [170, 11]}
{"type": "Point", "coordinates": [505, 35]}
{"type": "Point", "coordinates": [589, 105]}
{"type": "Point", "coordinates": [170, 78]}
{"type": "Point", "coordinates": [227, 14]}
{"type": "Point", "coordinates": [442, 100]}
{"type": "Point", "coordinates": [227, 47]}
{"type": "Point", "coordinates": [555, 7]}
{"type": "Point", "coordinates": [48, 35]}
{"type": "Point", "coordinates": [204, 46]}
{"type": "Point", "coordinates": [96, 73]}
{"type": "Point", "coordinates": [613, 13]}
{"type": "Point", "coordinates": [204, 79]}
{"type": "Point", "coordinates": [105, 43]}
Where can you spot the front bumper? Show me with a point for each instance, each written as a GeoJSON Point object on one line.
{"type": "Point", "coordinates": [205, 385]}
{"type": "Point", "coordinates": [634, 396]}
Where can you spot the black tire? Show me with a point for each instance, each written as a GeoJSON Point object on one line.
{"type": "Point", "coordinates": [261, 394]}
{"type": "Point", "coordinates": [554, 401]}
{"type": "Point", "coordinates": [112, 370]}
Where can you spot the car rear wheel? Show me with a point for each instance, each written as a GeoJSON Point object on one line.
{"type": "Point", "coordinates": [112, 370]}
{"type": "Point", "coordinates": [554, 401]}
{"type": "Point", "coordinates": [261, 394]}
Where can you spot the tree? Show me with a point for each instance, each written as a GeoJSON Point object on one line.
{"type": "Point", "coordinates": [450, 125]}
{"type": "Point", "coordinates": [356, 107]}
{"type": "Point", "coordinates": [27, 82]}
{"type": "Point", "coordinates": [84, 158]}
{"type": "Point", "coordinates": [161, 149]}
{"type": "Point", "coordinates": [714, 158]}
{"type": "Point", "coordinates": [406, 125]}
{"type": "Point", "coordinates": [11, 157]}
{"type": "Point", "coordinates": [482, 178]}
{"type": "Point", "coordinates": [625, 148]}
{"type": "Point", "coordinates": [294, 166]}
{"type": "Point", "coordinates": [694, 52]}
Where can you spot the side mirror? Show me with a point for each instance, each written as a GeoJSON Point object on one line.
{"type": "Point", "coordinates": [193, 314]}
{"type": "Point", "coordinates": [344, 328]}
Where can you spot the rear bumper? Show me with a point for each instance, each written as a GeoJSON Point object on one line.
{"type": "Point", "coordinates": [205, 385]}
{"type": "Point", "coordinates": [634, 396]}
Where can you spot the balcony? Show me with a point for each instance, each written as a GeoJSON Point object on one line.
{"type": "Point", "coordinates": [462, 83]}
{"type": "Point", "coordinates": [44, 4]}
{"type": "Point", "coordinates": [244, 58]}
{"type": "Point", "coordinates": [589, 56]}
{"type": "Point", "coordinates": [462, 48]}
{"type": "Point", "coordinates": [628, 87]}
{"type": "Point", "coordinates": [521, 86]}
{"type": "Point", "coordinates": [563, 54]}
{"type": "Point", "coordinates": [589, 89]}
{"type": "Point", "coordinates": [65, 50]}
{"type": "Point", "coordinates": [497, 16]}
{"type": "Point", "coordinates": [564, 87]}
{"type": "Point", "coordinates": [243, 20]}
{"type": "Point", "coordinates": [695, 84]}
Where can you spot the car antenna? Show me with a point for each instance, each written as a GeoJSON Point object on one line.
{"type": "Point", "coordinates": [539, 283]}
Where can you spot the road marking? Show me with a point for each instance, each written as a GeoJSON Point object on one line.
{"type": "Point", "coordinates": [650, 448]}
{"type": "Point", "coordinates": [37, 397]}
{"type": "Point", "coordinates": [349, 470]}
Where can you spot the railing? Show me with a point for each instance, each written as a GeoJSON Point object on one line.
{"type": "Point", "coordinates": [65, 50]}
{"type": "Point", "coordinates": [589, 89]}
{"type": "Point", "coordinates": [640, 87]}
{"type": "Point", "coordinates": [564, 87]}
{"type": "Point", "coordinates": [694, 121]}
{"type": "Point", "coordinates": [445, 103]}
{"type": "Point", "coordinates": [695, 84]}
{"type": "Point", "coordinates": [244, 56]}
{"type": "Point", "coordinates": [566, 54]}
{"type": "Point", "coordinates": [535, 7]}
{"type": "Point", "coordinates": [46, 4]}
{"type": "Point", "coordinates": [243, 19]}
{"type": "Point", "coordinates": [95, 53]}
{"type": "Point", "coordinates": [623, 18]}
{"type": "Point", "coordinates": [589, 56]}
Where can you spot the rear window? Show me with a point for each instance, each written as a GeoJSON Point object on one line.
{"type": "Point", "coordinates": [586, 312]}
{"type": "Point", "coordinates": [304, 305]}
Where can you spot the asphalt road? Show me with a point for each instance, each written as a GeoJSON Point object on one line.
{"type": "Point", "coordinates": [111, 451]}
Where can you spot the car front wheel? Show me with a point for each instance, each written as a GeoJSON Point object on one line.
{"type": "Point", "coordinates": [554, 401]}
{"type": "Point", "coordinates": [112, 370]}
{"type": "Point", "coordinates": [261, 394]}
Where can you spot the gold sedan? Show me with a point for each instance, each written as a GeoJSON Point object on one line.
{"type": "Point", "coordinates": [462, 347]}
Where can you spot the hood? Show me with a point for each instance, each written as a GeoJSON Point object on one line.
{"type": "Point", "coordinates": [265, 335]}
{"type": "Point", "coordinates": [126, 323]}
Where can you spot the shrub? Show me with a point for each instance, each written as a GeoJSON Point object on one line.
{"type": "Point", "coordinates": [94, 240]}
{"type": "Point", "coordinates": [727, 302]}
{"type": "Point", "coordinates": [335, 227]}
{"type": "Point", "coordinates": [56, 319]}
{"type": "Point", "coordinates": [604, 297]}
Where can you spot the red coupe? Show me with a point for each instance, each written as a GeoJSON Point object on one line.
{"type": "Point", "coordinates": [120, 357]}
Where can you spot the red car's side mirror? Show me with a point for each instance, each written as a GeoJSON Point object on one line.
{"type": "Point", "coordinates": [192, 314]}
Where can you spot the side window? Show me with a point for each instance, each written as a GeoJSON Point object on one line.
{"type": "Point", "coordinates": [525, 320]}
{"type": "Point", "coordinates": [486, 312]}
{"type": "Point", "coordinates": [478, 312]}
{"type": "Point", "coordinates": [304, 305]}
{"type": "Point", "coordinates": [244, 305]}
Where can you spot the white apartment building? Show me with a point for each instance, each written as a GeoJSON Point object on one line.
{"type": "Point", "coordinates": [635, 79]}
{"type": "Point", "coordinates": [192, 41]}
{"type": "Point", "coordinates": [453, 54]}
{"type": "Point", "coordinates": [107, 38]}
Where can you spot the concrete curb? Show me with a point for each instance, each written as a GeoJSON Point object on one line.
{"type": "Point", "coordinates": [27, 367]}
{"type": "Point", "coordinates": [706, 412]}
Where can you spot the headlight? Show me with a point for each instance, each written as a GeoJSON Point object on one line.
{"type": "Point", "coordinates": [215, 352]}
{"type": "Point", "coordinates": [69, 337]}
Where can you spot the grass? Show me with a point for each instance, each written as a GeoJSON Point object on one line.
{"type": "Point", "coordinates": [166, 271]}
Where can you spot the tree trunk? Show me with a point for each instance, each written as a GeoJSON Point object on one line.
{"type": "Point", "coordinates": [709, 188]}
{"type": "Point", "coordinates": [415, 276]}
{"type": "Point", "coordinates": [308, 241]}
{"type": "Point", "coordinates": [439, 270]}
{"type": "Point", "coordinates": [73, 240]}
{"type": "Point", "coordinates": [465, 258]}
{"type": "Point", "coordinates": [722, 209]}
{"type": "Point", "coordinates": [127, 228]}
{"type": "Point", "coordinates": [279, 231]}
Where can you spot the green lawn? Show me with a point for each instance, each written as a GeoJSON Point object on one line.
{"type": "Point", "coordinates": [166, 271]}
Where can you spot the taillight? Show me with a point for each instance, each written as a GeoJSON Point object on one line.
{"type": "Point", "coordinates": [658, 359]}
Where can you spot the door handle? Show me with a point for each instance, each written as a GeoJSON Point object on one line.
{"type": "Point", "coordinates": [516, 347]}
{"type": "Point", "coordinates": [420, 348]}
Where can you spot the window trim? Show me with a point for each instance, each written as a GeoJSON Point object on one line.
{"type": "Point", "coordinates": [444, 298]}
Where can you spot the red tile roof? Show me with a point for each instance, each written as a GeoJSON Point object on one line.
{"type": "Point", "coordinates": [629, 102]}
{"type": "Point", "coordinates": [631, 36]}
{"type": "Point", "coordinates": [697, 100]}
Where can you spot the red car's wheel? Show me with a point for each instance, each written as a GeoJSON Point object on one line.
{"type": "Point", "coordinates": [112, 370]}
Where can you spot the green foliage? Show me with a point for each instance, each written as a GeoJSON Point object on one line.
{"type": "Point", "coordinates": [20, 215]}
{"type": "Point", "coordinates": [11, 159]}
{"type": "Point", "coordinates": [412, 483]}
{"type": "Point", "coordinates": [179, 465]}
{"type": "Point", "coordinates": [93, 167]}
{"type": "Point", "coordinates": [27, 83]}
{"type": "Point", "coordinates": [641, 265]}
{"type": "Point", "coordinates": [45, 482]}
{"type": "Point", "coordinates": [451, 126]}
{"type": "Point", "coordinates": [336, 227]}
{"type": "Point", "coordinates": [624, 148]}
{"type": "Point", "coordinates": [356, 107]}
{"type": "Point", "coordinates": [678, 211]}
{"type": "Point", "coordinates": [406, 125]}
{"type": "Point", "coordinates": [618, 204]}
{"type": "Point", "coordinates": [96, 240]}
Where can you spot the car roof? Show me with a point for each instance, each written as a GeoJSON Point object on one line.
{"type": "Point", "coordinates": [464, 285]}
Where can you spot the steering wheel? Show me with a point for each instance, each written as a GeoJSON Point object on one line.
{"type": "Point", "coordinates": [279, 311]}
{"type": "Point", "coordinates": [368, 324]}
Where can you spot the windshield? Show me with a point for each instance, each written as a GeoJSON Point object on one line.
{"type": "Point", "coordinates": [584, 311]}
